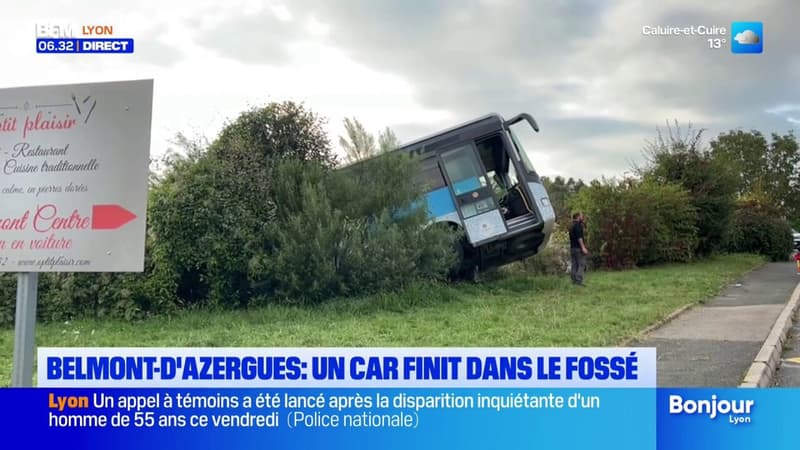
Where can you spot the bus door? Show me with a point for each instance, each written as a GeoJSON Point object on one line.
{"type": "Point", "coordinates": [473, 193]}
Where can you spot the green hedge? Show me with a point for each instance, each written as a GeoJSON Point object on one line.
{"type": "Point", "coordinates": [632, 223]}
{"type": "Point", "coordinates": [261, 216]}
{"type": "Point", "coordinates": [758, 228]}
{"type": "Point", "coordinates": [337, 233]}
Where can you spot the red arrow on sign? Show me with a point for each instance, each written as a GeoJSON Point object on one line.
{"type": "Point", "coordinates": [110, 217]}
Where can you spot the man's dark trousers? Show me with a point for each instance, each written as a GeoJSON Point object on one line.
{"type": "Point", "coordinates": [578, 260]}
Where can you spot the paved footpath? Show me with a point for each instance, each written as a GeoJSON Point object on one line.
{"type": "Point", "coordinates": [715, 343]}
{"type": "Point", "coordinates": [788, 375]}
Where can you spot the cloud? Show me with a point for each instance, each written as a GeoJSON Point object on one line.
{"type": "Point", "coordinates": [782, 109]}
{"type": "Point", "coordinates": [787, 112]}
{"type": "Point", "coordinates": [597, 86]}
{"type": "Point", "coordinates": [261, 37]}
{"type": "Point", "coordinates": [470, 58]}
{"type": "Point", "coordinates": [155, 47]}
{"type": "Point", "coordinates": [747, 37]}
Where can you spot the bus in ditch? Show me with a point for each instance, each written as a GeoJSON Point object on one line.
{"type": "Point", "coordinates": [479, 179]}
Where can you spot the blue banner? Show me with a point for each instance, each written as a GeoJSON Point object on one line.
{"type": "Point", "coordinates": [348, 418]}
{"type": "Point", "coordinates": [84, 45]}
{"type": "Point", "coordinates": [366, 398]}
{"type": "Point", "coordinates": [729, 418]}
{"type": "Point", "coordinates": [330, 418]}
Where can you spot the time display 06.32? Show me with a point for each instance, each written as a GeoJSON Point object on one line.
{"type": "Point", "coordinates": [57, 45]}
{"type": "Point", "coordinates": [84, 45]}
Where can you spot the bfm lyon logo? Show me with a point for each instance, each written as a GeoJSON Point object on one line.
{"type": "Point", "coordinates": [738, 411]}
{"type": "Point", "coordinates": [65, 30]}
{"type": "Point", "coordinates": [62, 38]}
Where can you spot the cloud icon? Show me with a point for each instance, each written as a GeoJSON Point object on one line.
{"type": "Point", "coordinates": [747, 37]}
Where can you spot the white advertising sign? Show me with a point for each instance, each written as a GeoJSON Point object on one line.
{"type": "Point", "coordinates": [73, 177]}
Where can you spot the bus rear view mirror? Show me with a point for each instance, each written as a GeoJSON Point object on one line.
{"type": "Point", "coordinates": [519, 118]}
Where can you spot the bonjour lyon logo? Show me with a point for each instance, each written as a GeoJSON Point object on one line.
{"type": "Point", "coordinates": [738, 411]}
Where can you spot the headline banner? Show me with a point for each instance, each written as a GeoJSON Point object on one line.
{"type": "Point", "coordinates": [347, 367]}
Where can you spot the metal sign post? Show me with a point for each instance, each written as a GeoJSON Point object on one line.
{"type": "Point", "coordinates": [25, 329]}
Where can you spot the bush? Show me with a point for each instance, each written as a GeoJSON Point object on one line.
{"type": "Point", "coordinates": [8, 295]}
{"type": "Point", "coordinates": [64, 296]}
{"type": "Point", "coordinates": [340, 233]}
{"type": "Point", "coordinates": [672, 231]}
{"type": "Point", "coordinates": [757, 228]}
{"type": "Point", "coordinates": [636, 223]}
{"type": "Point", "coordinates": [553, 260]}
{"type": "Point", "coordinates": [679, 158]}
{"type": "Point", "coordinates": [210, 216]}
{"type": "Point", "coordinates": [260, 213]}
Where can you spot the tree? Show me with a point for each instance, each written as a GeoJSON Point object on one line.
{"type": "Point", "coordinates": [680, 157]}
{"type": "Point", "coordinates": [210, 217]}
{"type": "Point", "coordinates": [764, 168]}
{"type": "Point", "coordinates": [783, 173]}
{"type": "Point", "coordinates": [262, 136]}
{"type": "Point", "coordinates": [745, 153]}
{"type": "Point", "coordinates": [188, 151]}
{"type": "Point", "coordinates": [360, 144]}
{"type": "Point", "coordinates": [387, 140]}
{"type": "Point", "coordinates": [757, 227]}
{"type": "Point", "coordinates": [339, 233]}
{"type": "Point", "coordinates": [560, 192]}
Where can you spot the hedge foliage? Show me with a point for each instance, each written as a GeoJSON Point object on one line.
{"type": "Point", "coordinates": [261, 215]}
{"type": "Point", "coordinates": [632, 223]}
{"type": "Point", "coordinates": [710, 184]}
{"type": "Point", "coordinates": [758, 228]}
{"type": "Point", "coordinates": [340, 233]}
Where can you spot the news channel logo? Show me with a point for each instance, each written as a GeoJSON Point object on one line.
{"type": "Point", "coordinates": [67, 38]}
{"type": "Point", "coordinates": [747, 37]}
{"type": "Point", "coordinates": [736, 411]}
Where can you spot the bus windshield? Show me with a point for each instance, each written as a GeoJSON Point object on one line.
{"type": "Point", "coordinates": [523, 154]}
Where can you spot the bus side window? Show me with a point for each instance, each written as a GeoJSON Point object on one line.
{"type": "Point", "coordinates": [430, 175]}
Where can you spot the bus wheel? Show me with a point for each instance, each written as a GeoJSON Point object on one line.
{"type": "Point", "coordinates": [458, 266]}
{"type": "Point", "coordinates": [473, 274]}
{"type": "Point", "coordinates": [467, 268]}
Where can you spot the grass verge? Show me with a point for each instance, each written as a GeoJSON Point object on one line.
{"type": "Point", "coordinates": [516, 310]}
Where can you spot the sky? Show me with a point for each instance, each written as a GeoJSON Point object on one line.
{"type": "Point", "coordinates": [596, 84]}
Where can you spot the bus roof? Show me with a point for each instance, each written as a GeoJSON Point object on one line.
{"type": "Point", "coordinates": [481, 125]}
{"type": "Point", "coordinates": [493, 117]}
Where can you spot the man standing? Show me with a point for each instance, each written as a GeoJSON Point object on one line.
{"type": "Point", "coordinates": [577, 249]}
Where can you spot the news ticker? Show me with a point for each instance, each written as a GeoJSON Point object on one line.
{"type": "Point", "coordinates": [84, 45]}
{"type": "Point", "coordinates": [382, 398]}
{"type": "Point", "coordinates": [418, 418]}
